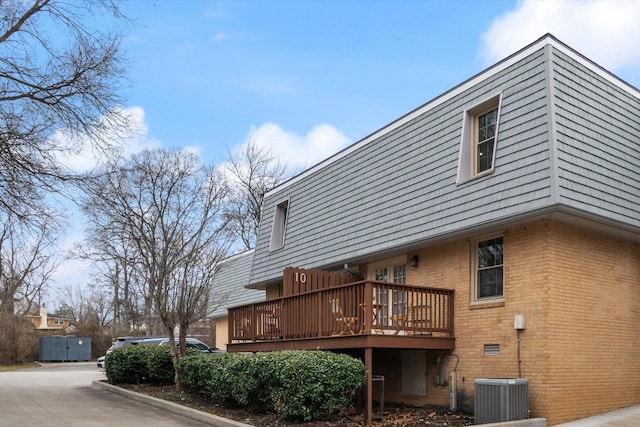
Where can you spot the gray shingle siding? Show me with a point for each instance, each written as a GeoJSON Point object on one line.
{"type": "Point", "coordinates": [598, 139]}
{"type": "Point", "coordinates": [229, 285]}
{"type": "Point", "coordinates": [399, 188]}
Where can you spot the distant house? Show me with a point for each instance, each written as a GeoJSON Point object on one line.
{"type": "Point", "coordinates": [229, 291]}
{"type": "Point", "coordinates": [493, 231]}
{"type": "Point", "coordinates": [44, 321]}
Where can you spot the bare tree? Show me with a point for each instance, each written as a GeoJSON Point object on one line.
{"type": "Point", "coordinates": [253, 171]}
{"type": "Point", "coordinates": [117, 274]}
{"type": "Point", "coordinates": [84, 304]}
{"type": "Point", "coordinates": [58, 95]}
{"type": "Point", "coordinates": [168, 209]}
{"type": "Point", "coordinates": [27, 260]}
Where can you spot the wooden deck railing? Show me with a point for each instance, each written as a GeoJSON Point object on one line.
{"type": "Point", "coordinates": [365, 307]}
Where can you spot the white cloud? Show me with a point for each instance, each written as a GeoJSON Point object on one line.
{"type": "Point", "coordinates": [80, 154]}
{"type": "Point", "coordinates": [73, 271]}
{"type": "Point", "coordinates": [606, 31]}
{"type": "Point", "coordinates": [299, 151]}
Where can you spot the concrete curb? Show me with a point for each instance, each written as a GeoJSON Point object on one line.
{"type": "Point", "coordinates": [530, 422]}
{"type": "Point", "coordinates": [218, 421]}
{"type": "Point", "coordinates": [194, 414]}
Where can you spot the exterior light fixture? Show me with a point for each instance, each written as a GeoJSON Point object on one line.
{"type": "Point", "coordinates": [414, 261]}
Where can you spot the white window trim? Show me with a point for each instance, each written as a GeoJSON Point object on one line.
{"type": "Point", "coordinates": [474, 273]}
{"type": "Point", "coordinates": [389, 263]}
{"type": "Point", "coordinates": [279, 226]}
{"type": "Point", "coordinates": [467, 152]}
{"type": "Point", "coordinates": [388, 300]}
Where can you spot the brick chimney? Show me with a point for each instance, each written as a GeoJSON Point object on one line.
{"type": "Point", "coordinates": [44, 321]}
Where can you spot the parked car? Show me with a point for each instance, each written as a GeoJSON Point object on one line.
{"type": "Point", "coordinates": [162, 341]}
{"type": "Point", "coordinates": [122, 342]}
{"type": "Point", "coordinates": [191, 343]}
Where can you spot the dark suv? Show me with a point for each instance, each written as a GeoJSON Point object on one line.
{"type": "Point", "coordinates": [123, 342]}
{"type": "Point", "coordinates": [191, 343]}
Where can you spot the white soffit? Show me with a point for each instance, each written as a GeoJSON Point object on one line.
{"type": "Point", "coordinates": [547, 39]}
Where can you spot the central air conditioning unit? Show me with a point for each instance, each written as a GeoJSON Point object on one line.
{"type": "Point", "coordinates": [501, 399]}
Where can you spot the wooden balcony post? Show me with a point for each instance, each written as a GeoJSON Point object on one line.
{"type": "Point", "coordinates": [321, 316]}
{"type": "Point", "coordinates": [451, 307]}
{"type": "Point", "coordinates": [254, 323]}
{"type": "Point", "coordinates": [368, 363]}
{"type": "Point", "coordinates": [368, 307]}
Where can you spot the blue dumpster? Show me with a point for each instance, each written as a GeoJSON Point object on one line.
{"type": "Point", "coordinates": [65, 349]}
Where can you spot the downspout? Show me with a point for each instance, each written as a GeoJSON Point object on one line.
{"type": "Point", "coordinates": [453, 394]}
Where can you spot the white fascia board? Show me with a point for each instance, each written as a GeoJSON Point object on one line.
{"type": "Point", "coordinates": [238, 255]}
{"type": "Point", "coordinates": [547, 39]}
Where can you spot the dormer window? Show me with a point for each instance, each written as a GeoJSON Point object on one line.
{"type": "Point", "coordinates": [485, 139]}
{"type": "Point", "coordinates": [279, 225]}
{"type": "Point", "coordinates": [479, 137]}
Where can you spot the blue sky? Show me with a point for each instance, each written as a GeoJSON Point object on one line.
{"type": "Point", "coordinates": [211, 74]}
{"type": "Point", "coordinates": [307, 78]}
{"type": "Point", "coordinates": [207, 73]}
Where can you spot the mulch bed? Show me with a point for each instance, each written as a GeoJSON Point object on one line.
{"type": "Point", "coordinates": [394, 414]}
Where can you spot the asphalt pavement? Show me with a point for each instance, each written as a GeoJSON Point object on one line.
{"type": "Point", "coordinates": [61, 394]}
{"type": "Point", "coordinates": [72, 394]}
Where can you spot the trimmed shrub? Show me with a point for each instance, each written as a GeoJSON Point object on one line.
{"type": "Point", "coordinates": [126, 365]}
{"type": "Point", "coordinates": [198, 372]}
{"type": "Point", "coordinates": [298, 385]}
{"type": "Point", "coordinates": [315, 384]}
{"type": "Point", "coordinates": [137, 363]}
{"type": "Point", "coordinates": [220, 376]}
{"type": "Point", "coordinates": [159, 365]}
{"type": "Point", "coordinates": [252, 377]}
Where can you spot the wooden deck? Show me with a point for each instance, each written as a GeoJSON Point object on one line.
{"type": "Point", "coordinates": [364, 314]}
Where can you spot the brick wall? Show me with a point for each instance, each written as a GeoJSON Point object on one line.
{"type": "Point", "coordinates": [593, 324]}
{"type": "Point", "coordinates": [580, 294]}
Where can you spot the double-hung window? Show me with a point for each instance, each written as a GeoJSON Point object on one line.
{"type": "Point", "coordinates": [489, 269]}
{"type": "Point", "coordinates": [485, 139]}
{"type": "Point", "coordinates": [479, 140]}
{"type": "Point", "coordinates": [279, 225]}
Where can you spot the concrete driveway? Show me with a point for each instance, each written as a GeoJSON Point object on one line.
{"type": "Point", "coordinates": [61, 394]}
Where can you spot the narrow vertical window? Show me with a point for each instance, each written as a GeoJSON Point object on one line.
{"type": "Point", "coordinates": [489, 269]}
{"type": "Point", "coordinates": [479, 140]}
{"type": "Point", "coordinates": [486, 139]}
{"type": "Point", "coordinates": [279, 225]}
{"type": "Point", "coordinates": [400, 273]}
{"type": "Point", "coordinates": [380, 295]}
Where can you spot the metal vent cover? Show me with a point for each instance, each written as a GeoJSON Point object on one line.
{"type": "Point", "coordinates": [491, 349]}
{"type": "Point", "coordinates": [501, 399]}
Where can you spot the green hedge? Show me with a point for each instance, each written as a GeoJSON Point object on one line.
{"type": "Point", "coordinates": [315, 384]}
{"type": "Point", "coordinates": [298, 385]}
{"type": "Point", "coordinates": [137, 363]}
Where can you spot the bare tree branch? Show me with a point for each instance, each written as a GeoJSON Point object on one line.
{"type": "Point", "coordinates": [66, 83]}
{"type": "Point", "coordinates": [253, 171]}
{"type": "Point", "coordinates": [167, 211]}
{"type": "Point", "coordinates": [27, 260]}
